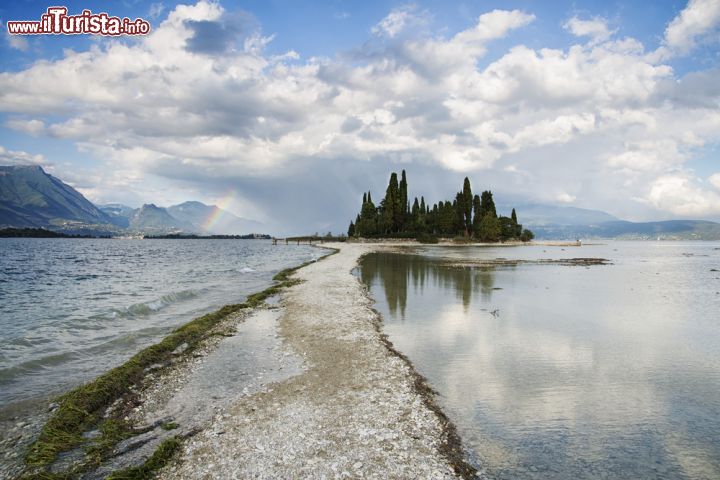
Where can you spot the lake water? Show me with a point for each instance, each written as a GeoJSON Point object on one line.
{"type": "Point", "coordinates": [566, 372]}
{"type": "Point", "coordinates": [71, 309]}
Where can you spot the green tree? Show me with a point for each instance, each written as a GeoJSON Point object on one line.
{"type": "Point", "coordinates": [367, 225]}
{"type": "Point", "coordinates": [508, 229]}
{"type": "Point", "coordinates": [477, 214]}
{"type": "Point", "coordinates": [391, 206]}
{"type": "Point", "coordinates": [404, 211]}
{"type": "Point", "coordinates": [351, 230]}
{"type": "Point", "coordinates": [467, 206]}
{"type": "Point", "coordinates": [489, 229]}
{"type": "Point", "coordinates": [487, 204]}
{"type": "Point", "coordinates": [518, 227]}
{"type": "Point", "coordinates": [459, 207]}
{"type": "Point", "coordinates": [447, 218]}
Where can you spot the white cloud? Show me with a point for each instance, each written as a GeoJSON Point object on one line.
{"type": "Point", "coordinates": [697, 22]}
{"type": "Point", "coordinates": [597, 28]}
{"type": "Point", "coordinates": [565, 197]}
{"type": "Point", "coordinates": [10, 157]}
{"type": "Point", "coordinates": [715, 180]}
{"type": "Point", "coordinates": [697, 19]}
{"type": "Point", "coordinates": [156, 9]}
{"type": "Point", "coordinates": [398, 20]}
{"type": "Point", "coordinates": [19, 43]}
{"type": "Point", "coordinates": [33, 127]}
{"type": "Point", "coordinates": [494, 25]}
{"type": "Point", "coordinates": [647, 156]}
{"type": "Point", "coordinates": [679, 194]}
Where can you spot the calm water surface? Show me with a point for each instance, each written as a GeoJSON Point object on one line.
{"type": "Point", "coordinates": [567, 372]}
{"type": "Point", "coordinates": [73, 308]}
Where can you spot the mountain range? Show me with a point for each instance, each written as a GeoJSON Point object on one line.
{"type": "Point", "coordinates": [559, 222]}
{"type": "Point", "coordinates": [32, 198]}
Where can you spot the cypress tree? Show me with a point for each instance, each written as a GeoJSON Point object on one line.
{"type": "Point", "coordinates": [415, 216]}
{"type": "Point", "coordinates": [367, 224]}
{"type": "Point", "coordinates": [390, 206]}
{"type": "Point", "coordinates": [403, 194]}
{"type": "Point", "coordinates": [351, 230]}
{"type": "Point", "coordinates": [459, 210]}
{"type": "Point", "coordinates": [487, 204]}
{"type": "Point", "coordinates": [467, 206]}
{"type": "Point", "coordinates": [518, 227]}
{"type": "Point", "coordinates": [477, 214]}
{"type": "Point", "coordinates": [415, 208]}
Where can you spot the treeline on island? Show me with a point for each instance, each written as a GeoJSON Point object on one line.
{"type": "Point", "coordinates": [469, 216]}
{"type": "Point", "coordinates": [35, 233]}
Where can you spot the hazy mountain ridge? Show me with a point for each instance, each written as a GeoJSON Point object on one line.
{"type": "Point", "coordinates": [222, 221]}
{"type": "Point", "coordinates": [153, 219]}
{"type": "Point", "coordinates": [620, 229]}
{"type": "Point", "coordinates": [538, 214]}
{"type": "Point", "coordinates": [569, 223]}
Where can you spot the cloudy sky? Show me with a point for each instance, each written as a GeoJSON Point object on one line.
{"type": "Point", "coordinates": [287, 111]}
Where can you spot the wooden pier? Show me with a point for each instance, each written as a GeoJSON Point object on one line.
{"type": "Point", "coordinates": [307, 239]}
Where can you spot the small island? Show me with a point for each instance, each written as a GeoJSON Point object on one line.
{"type": "Point", "coordinates": [467, 217]}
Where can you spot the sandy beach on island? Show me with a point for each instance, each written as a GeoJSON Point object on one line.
{"type": "Point", "coordinates": [358, 410]}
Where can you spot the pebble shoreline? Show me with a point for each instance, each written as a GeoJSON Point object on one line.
{"type": "Point", "coordinates": [357, 410]}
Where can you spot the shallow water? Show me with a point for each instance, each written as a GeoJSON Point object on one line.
{"type": "Point", "coordinates": [567, 372]}
{"type": "Point", "coordinates": [71, 309]}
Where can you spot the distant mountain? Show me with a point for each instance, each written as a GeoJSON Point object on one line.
{"type": "Point", "coordinates": [564, 223]}
{"type": "Point", "coordinates": [29, 197]}
{"type": "Point", "coordinates": [666, 230]}
{"type": "Point", "coordinates": [118, 213]}
{"type": "Point", "coordinates": [211, 219]}
{"type": "Point", "coordinates": [155, 220]}
{"type": "Point", "coordinates": [538, 214]}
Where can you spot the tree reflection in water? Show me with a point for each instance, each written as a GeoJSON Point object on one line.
{"type": "Point", "coordinates": [396, 272]}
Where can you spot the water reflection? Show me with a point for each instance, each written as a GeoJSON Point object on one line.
{"type": "Point", "coordinates": [395, 272]}
{"type": "Point", "coordinates": [566, 372]}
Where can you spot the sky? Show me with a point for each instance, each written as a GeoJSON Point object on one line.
{"type": "Point", "coordinates": [286, 112]}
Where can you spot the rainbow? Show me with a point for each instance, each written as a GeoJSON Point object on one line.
{"type": "Point", "coordinates": [222, 204]}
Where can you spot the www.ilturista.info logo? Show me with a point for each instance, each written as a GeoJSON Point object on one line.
{"type": "Point", "coordinates": [56, 21]}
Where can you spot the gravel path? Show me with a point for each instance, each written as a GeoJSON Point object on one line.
{"type": "Point", "coordinates": [357, 411]}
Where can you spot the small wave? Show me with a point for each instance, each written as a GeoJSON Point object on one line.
{"type": "Point", "coordinates": [37, 365]}
{"type": "Point", "coordinates": [246, 270]}
{"type": "Point", "coordinates": [88, 276]}
{"type": "Point", "coordinates": [147, 308]}
{"type": "Point", "coordinates": [128, 339]}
